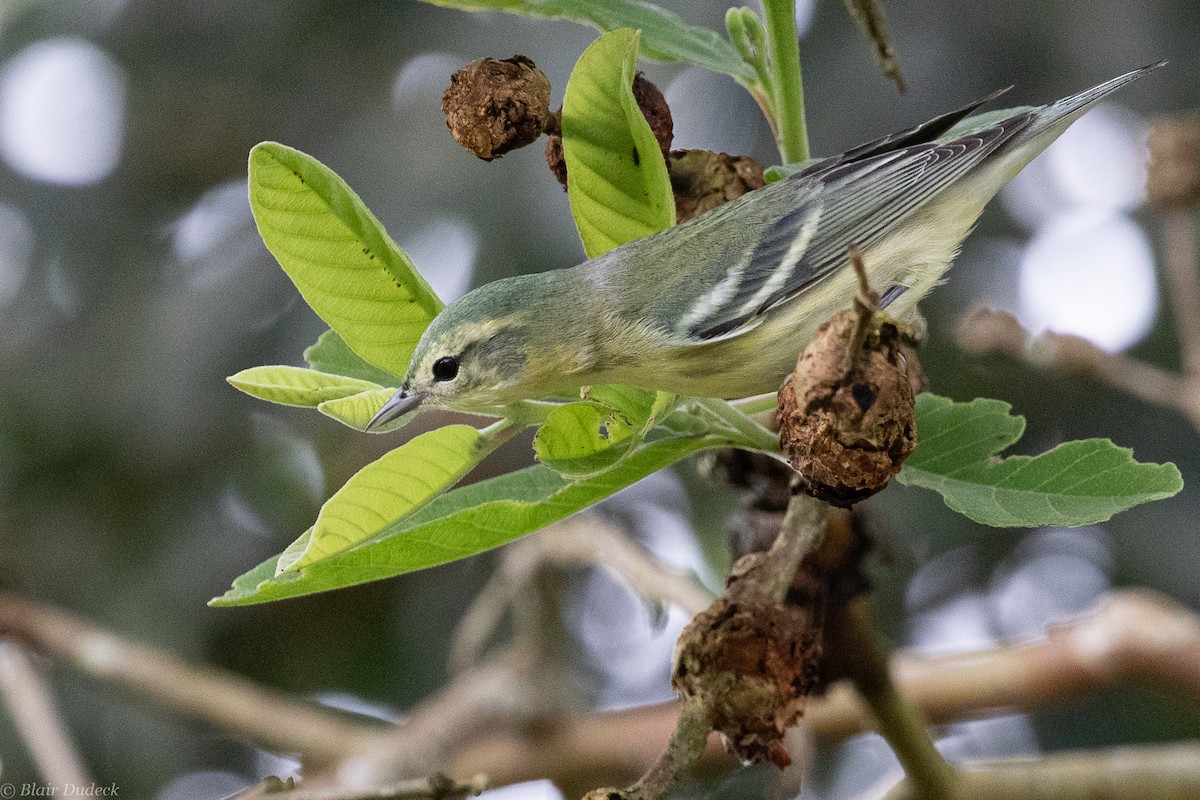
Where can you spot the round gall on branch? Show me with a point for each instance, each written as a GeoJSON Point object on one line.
{"type": "Point", "coordinates": [847, 414]}
{"type": "Point", "coordinates": [493, 105]}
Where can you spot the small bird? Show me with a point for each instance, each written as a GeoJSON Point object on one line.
{"type": "Point", "coordinates": [720, 305]}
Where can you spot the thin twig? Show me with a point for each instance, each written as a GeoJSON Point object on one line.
{"type": "Point", "coordinates": [866, 303]}
{"type": "Point", "coordinates": [869, 14]}
{"type": "Point", "coordinates": [985, 330]}
{"type": "Point", "coordinates": [235, 705]}
{"type": "Point", "coordinates": [800, 534]}
{"type": "Point", "coordinates": [684, 749]}
{"type": "Point", "coordinates": [855, 650]}
{"type": "Point", "coordinates": [587, 540]}
{"type": "Point", "coordinates": [35, 714]}
{"type": "Point", "coordinates": [1163, 772]}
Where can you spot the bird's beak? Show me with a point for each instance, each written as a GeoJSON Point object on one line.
{"type": "Point", "coordinates": [402, 402]}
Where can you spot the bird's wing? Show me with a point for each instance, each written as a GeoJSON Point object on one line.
{"type": "Point", "coordinates": [918, 134]}
{"type": "Point", "coordinates": [838, 203]}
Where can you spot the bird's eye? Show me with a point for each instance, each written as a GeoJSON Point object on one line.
{"type": "Point", "coordinates": [445, 368]}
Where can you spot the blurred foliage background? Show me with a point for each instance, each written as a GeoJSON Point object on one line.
{"type": "Point", "coordinates": [135, 484]}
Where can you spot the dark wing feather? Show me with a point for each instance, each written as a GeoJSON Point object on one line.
{"type": "Point", "coordinates": [856, 202]}
{"type": "Point", "coordinates": [919, 134]}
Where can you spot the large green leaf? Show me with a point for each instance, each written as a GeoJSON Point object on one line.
{"type": "Point", "coordinates": [464, 522]}
{"type": "Point", "coordinates": [339, 256]}
{"type": "Point", "coordinates": [296, 386]}
{"type": "Point", "coordinates": [389, 489]}
{"type": "Point", "coordinates": [330, 353]}
{"type": "Point", "coordinates": [617, 179]}
{"type": "Point", "coordinates": [665, 35]}
{"type": "Point", "coordinates": [1076, 483]}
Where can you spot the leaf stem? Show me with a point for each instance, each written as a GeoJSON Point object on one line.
{"type": "Point", "coordinates": [787, 88]}
{"type": "Point", "coordinates": [744, 432]}
{"type": "Point", "coordinates": [499, 432]}
{"type": "Point", "coordinates": [757, 403]}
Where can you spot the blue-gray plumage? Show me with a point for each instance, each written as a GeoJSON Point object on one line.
{"type": "Point", "coordinates": [719, 306]}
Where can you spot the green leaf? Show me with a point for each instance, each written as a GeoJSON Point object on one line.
{"type": "Point", "coordinates": [582, 438]}
{"type": "Point", "coordinates": [331, 354]}
{"type": "Point", "coordinates": [463, 522]}
{"type": "Point", "coordinates": [294, 550]}
{"type": "Point", "coordinates": [1076, 483]}
{"type": "Point", "coordinates": [637, 410]}
{"type": "Point", "coordinates": [666, 36]}
{"type": "Point", "coordinates": [617, 179]}
{"type": "Point", "coordinates": [296, 386]}
{"type": "Point", "coordinates": [389, 489]}
{"type": "Point", "coordinates": [633, 405]}
{"type": "Point", "coordinates": [357, 410]}
{"type": "Point", "coordinates": [339, 256]}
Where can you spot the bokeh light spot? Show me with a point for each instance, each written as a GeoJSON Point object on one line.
{"type": "Point", "coordinates": [444, 252]}
{"type": "Point", "coordinates": [62, 111]}
{"type": "Point", "coordinates": [426, 75]}
{"type": "Point", "coordinates": [1092, 275]}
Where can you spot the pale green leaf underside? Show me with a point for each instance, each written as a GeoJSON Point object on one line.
{"type": "Point", "coordinates": [665, 35]}
{"type": "Point", "coordinates": [463, 522]}
{"type": "Point", "coordinates": [617, 179]}
{"type": "Point", "coordinates": [339, 256]}
{"type": "Point", "coordinates": [330, 353]}
{"type": "Point", "coordinates": [391, 488]}
{"type": "Point", "coordinates": [357, 410]}
{"type": "Point", "coordinates": [293, 552]}
{"type": "Point", "coordinates": [1076, 483]}
{"type": "Point", "coordinates": [296, 386]}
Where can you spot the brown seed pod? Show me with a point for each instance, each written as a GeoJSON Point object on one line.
{"type": "Point", "coordinates": [1173, 178]}
{"type": "Point", "coordinates": [847, 415]}
{"type": "Point", "coordinates": [654, 108]}
{"type": "Point", "coordinates": [496, 105]}
{"type": "Point", "coordinates": [703, 180]}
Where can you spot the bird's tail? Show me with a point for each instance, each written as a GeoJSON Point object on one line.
{"type": "Point", "coordinates": [1038, 127]}
{"type": "Point", "coordinates": [1054, 118]}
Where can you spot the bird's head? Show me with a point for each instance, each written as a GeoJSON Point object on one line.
{"type": "Point", "coordinates": [482, 352]}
